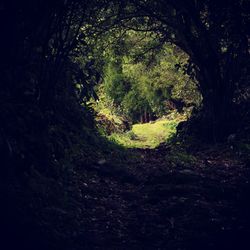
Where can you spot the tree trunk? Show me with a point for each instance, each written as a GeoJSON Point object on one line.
{"type": "Point", "coordinates": [217, 116]}
{"type": "Point", "coordinates": [145, 116]}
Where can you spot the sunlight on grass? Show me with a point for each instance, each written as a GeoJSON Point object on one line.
{"type": "Point", "coordinates": [147, 135]}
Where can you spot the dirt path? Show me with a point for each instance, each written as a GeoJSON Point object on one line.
{"type": "Point", "coordinates": [149, 202]}
{"type": "Point", "coordinates": [150, 205]}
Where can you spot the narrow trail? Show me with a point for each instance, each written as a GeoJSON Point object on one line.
{"type": "Point", "coordinates": [150, 204]}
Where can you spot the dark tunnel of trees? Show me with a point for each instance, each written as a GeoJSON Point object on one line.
{"type": "Point", "coordinates": [41, 42]}
{"type": "Point", "coordinates": [50, 47]}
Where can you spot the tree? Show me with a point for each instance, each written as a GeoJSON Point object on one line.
{"type": "Point", "coordinates": [39, 71]}
{"type": "Point", "coordinates": [141, 74]}
{"type": "Point", "coordinates": [214, 34]}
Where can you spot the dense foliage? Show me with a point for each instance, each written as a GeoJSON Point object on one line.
{"type": "Point", "coordinates": [147, 79]}
{"type": "Point", "coordinates": [50, 64]}
{"type": "Point", "coordinates": [215, 35]}
{"type": "Point", "coordinates": [65, 186]}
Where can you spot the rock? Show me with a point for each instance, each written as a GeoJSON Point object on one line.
{"type": "Point", "coordinates": [102, 162]}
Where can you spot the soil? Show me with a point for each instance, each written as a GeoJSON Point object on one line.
{"type": "Point", "coordinates": [148, 202]}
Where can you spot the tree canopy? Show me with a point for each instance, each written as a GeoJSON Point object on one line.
{"type": "Point", "coordinates": [63, 184]}
{"type": "Point", "coordinates": [50, 62]}
{"type": "Point", "coordinates": [143, 79]}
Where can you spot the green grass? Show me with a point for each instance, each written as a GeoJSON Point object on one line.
{"type": "Point", "coordinates": [147, 135]}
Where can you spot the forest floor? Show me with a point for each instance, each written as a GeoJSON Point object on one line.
{"type": "Point", "coordinates": [159, 198]}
